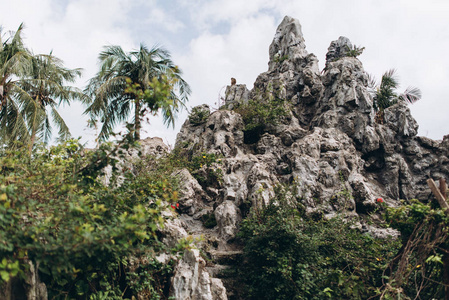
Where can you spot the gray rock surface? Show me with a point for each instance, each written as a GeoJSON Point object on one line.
{"type": "Point", "coordinates": [338, 49]}
{"type": "Point", "coordinates": [330, 146]}
{"type": "Point", "coordinates": [28, 288]}
{"type": "Point", "coordinates": [235, 94]}
{"type": "Point", "coordinates": [192, 281]}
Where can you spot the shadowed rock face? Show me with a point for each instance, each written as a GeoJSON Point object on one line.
{"type": "Point", "coordinates": [329, 143]}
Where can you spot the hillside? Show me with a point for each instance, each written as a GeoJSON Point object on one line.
{"type": "Point", "coordinates": [302, 139]}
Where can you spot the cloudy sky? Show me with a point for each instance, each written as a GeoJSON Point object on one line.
{"type": "Point", "coordinates": [214, 40]}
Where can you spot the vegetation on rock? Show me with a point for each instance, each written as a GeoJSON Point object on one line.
{"type": "Point", "coordinates": [385, 95]}
{"type": "Point", "coordinates": [90, 239]}
{"type": "Point", "coordinates": [258, 114]}
{"type": "Point", "coordinates": [291, 255]}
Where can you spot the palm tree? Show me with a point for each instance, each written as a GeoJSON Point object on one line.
{"type": "Point", "coordinates": [15, 62]}
{"type": "Point", "coordinates": [29, 84]}
{"type": "Point", "coordinates": [44, 88]}
{"type": "Point", "coordinates": [112, 99]}
{"type": "Point", "coordinates": [384, 94]}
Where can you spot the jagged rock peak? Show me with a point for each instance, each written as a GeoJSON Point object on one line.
{"type": "Point", "coordinates": [338, 49]}
{"type": "Point", "coordinates": [330, 145]}
{"type": "Point", "coordinates": [288, 42]}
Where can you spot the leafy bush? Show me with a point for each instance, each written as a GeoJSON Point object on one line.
{"type": "Point", "coordinates": [288, 255]}
{"type": "Point", "coordinates": [199, 115]}
{"type": "Point", "coordinates": [418, 269]}
{"type": "Point", "coordinates": [56, 212]}
{"type": "Point", "coordinates": [209, 220]}
{"type": "Point", "coordinates": [205, 168]}
{"type": "Point", "coordinates": [257, 114]}
{"type": "Point", "coordinates": [354, 51]}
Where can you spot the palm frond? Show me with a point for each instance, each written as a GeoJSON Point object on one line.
{"type": "Point", "coordinates": [411, 95]}
{"type": "Point", "coordinates": [107, 89]}
{"type": "Point", "coordinates": [64, 131]}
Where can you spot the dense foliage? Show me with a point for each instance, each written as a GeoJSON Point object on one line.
{"type": "Point", "coordinates": [31, 89]}
{"type": "Point", "coordinates": [420, 270]}
{"type": "Point", "coordinates": [270, 109]}
{"type": "Point", "coordinates": [112, 102]}
{"type": "Point", "coordinates": [289, 255]}
{"type": "Point", "coordinates": [56, 211]}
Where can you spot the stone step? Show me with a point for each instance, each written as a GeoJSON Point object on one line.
{"type": "Point", "coordinates": [226, 257]}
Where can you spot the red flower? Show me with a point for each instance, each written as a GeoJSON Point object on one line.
{"type": "Point", "coordinates": [380, 200]}
{"type": "Point", "coordinates": [172, 206]}
{"type": "Point", "coordinates": [177, 205]}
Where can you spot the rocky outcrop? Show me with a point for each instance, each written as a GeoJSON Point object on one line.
{"type": "Point", "coordinates": [234, 94]}
{"type": "Point", "coordinates": [192, 281]}
{"type": "Point", "coordinates": [329, 145]}
{"type": "Point", "coordinates": [28, 287]}
{"type": "Point", "coordinates": [293, 74]}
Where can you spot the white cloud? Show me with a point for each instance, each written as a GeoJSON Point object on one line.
{"type": "Point", "coordinates": [159, 17]}
{"type": "Point", "coordinates": [213, 58]}
{"type": "Point", "coordinates": [76, 35]}
{"type": "Point", "coordinates": [231, 39]}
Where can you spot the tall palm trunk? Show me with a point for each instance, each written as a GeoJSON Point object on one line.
{"type": "Point", "coordinates": [2, 97]}
{"type": "Point", "coordinates": [137, 124]}
{"type": "Point", "coordinates": [34, 125]}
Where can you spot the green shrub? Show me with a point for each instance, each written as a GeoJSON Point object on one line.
{"type": "Point", "coordinates": [199, 115]}
{"type": "Point", "coordinates": [288, 255]}
{"type": "Point", "coordinates": [354, 52]}
{"type": "Point", "coordinates": [257, 114]}
{"type": "Point", "coordinates": [205, 168]}
{"type": "Point", "coordinates": [419, 266]}
{"type": "Point", "coordinates": [209, 220]}
{"type": "Point", "coordinates": [56, 212]}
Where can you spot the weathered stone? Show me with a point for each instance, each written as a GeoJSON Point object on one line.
{"type": "Point", "coordinates": [400, 120]}
{"type": "Point", "coordinates": [192, 281]}
{"type": "Point", "coordinates": [236, 94]}
{"type": "Point", "coordinates": [28, 288]}
{"type": "Point", "coordinates": [288, 43]}
{"type": "Point", "coordinates": [338, 49]}
{"type": "Point", "coordinates": [191, 194]}
{"type": "Point", "coordinates": [153, 147]}
{"type": "Point", "coordinates": [228, 218]}
{"type": "Point", "coordinates": [329, 146]}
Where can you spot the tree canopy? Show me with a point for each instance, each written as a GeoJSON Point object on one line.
{"type": "Point", "coordinates": [149, 73]}
{"type": "Point", "coordinates": [29, 85]}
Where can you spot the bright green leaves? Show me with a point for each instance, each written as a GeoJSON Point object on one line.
{"type": "Point", "coordinates": [269, 109]}
{"type": "Point", "coordinates": [8, 269]}
{"type": "Point", "coordinates": [55, 211]}
{"type": "Point", "coordinates": [206, 169]}
{"type": "Point", "coordinates": [143, 82]}
{"type": "Point", "coordinates": [290, 255]}
{"type": "Point", "coordinates": [156, 96]}
{"type": "Point", "coordinates": [419, 267]}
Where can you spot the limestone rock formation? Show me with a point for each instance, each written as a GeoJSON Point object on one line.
{"type": "Point", "coordinates": [192, 281]}
{"type": "Point", "coordinates": [234, 94]}
{"type": "Point", "coordinates": [329, 143]}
